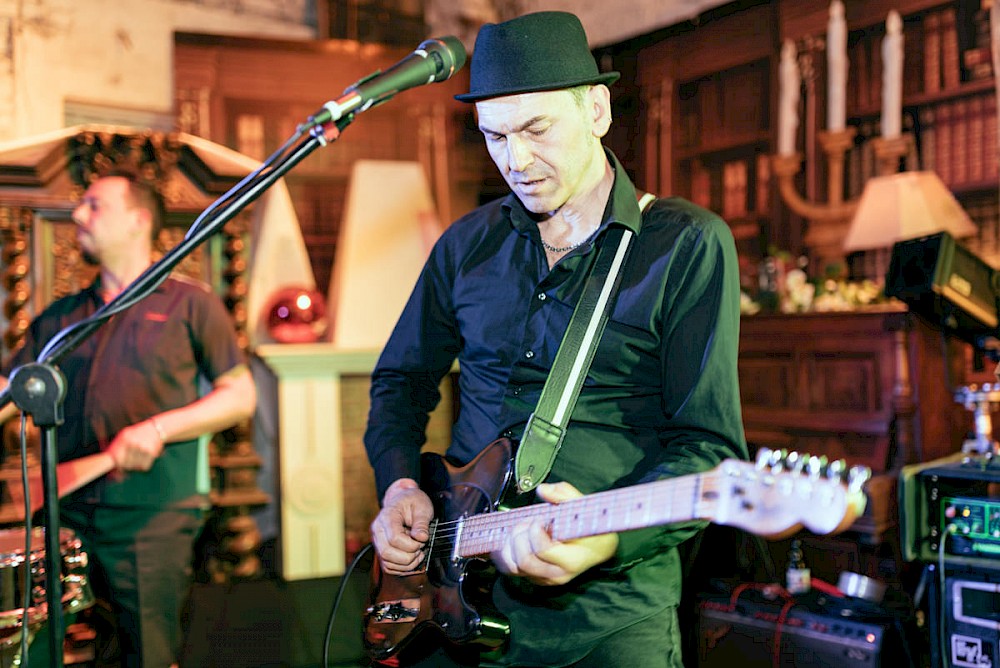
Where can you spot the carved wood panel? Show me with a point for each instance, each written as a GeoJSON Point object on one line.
{"type": "Point", "coordinates": [842, 381]}
{"type": "Point", "coordinates": [873, 386]}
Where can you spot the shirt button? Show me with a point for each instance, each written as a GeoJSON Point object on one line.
{"type": "Point", "coordinates": [516, 390]}
{"type": "Point", "coordinates": [542, 296]}
{"type": "Point", "coordinates": [529, 354]}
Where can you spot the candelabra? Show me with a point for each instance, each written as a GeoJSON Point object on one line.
{"type": "Point", "coordinates": [828, 221]}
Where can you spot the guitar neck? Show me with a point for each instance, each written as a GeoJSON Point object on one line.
{"type": "Point", "coordinates": [651, 504]}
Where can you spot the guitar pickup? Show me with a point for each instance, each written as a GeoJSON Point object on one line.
{"type": "Point", "coordinates": [392, 612]}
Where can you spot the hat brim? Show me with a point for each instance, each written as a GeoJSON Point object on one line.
{"type": "Point", "coordinates": [606, 78]}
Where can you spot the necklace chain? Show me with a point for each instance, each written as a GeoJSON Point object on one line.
{"type": "Point", "coordinates": [566, 249]}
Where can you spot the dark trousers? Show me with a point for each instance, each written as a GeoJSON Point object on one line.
{"type": "Point", "coordinates": [651, 643]}
{"type": "Point", "coordinates": [140, 567]}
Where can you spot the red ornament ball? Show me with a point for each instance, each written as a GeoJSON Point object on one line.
{"type": "Point", "coordinates": [297, 315]}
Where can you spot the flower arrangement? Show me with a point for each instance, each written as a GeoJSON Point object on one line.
{"type": "Point", "coordinates": [784, 286]}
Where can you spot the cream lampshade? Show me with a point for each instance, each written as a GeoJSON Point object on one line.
{"type": "Point", "coordinates": [905, 206]}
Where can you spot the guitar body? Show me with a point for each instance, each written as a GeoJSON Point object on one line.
{"type": "Point", "coordinates": [450, 592]}
{"type": "Point", "coordinates": [450, 596]}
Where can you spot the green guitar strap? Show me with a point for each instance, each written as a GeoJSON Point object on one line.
{"type": "Point", "coordinates": [546, 428]}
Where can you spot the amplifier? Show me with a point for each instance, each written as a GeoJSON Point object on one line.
{"type": "Point", "coordinates": [951, 510]}
{"type": "Point", "coordinates": [832, 634]}
{"type": "Point", "coordinates": [965, 618]}
{"type": "Point", "coordinates": [946, 283]}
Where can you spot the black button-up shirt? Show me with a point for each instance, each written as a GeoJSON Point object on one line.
{"type": "Point", "coordinates": [661, 398]}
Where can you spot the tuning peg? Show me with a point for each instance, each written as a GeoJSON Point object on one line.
{"type": "Point", "coordinates": [816, 466]}
{"type": "Point", "coordinates": [768, 459]}
{"type": "Point", "coordinates": [794, 462]}
{"type": "Point", "coordinates": [763, 457]}
{"type": "Point", "coordinates": [836, 469]}
{"type": "Point", "coordinates": [858, 476]}
{"type": "Point", "coordinates": [778, 460]}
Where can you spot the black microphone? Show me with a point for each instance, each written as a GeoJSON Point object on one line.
{"type": "Point", "coordinates": [434, 60]}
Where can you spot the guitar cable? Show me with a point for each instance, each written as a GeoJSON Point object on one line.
{"type": "Point", "coordinates": [945, 598]}
{"type": "Point", "coordinates": [336, 601]}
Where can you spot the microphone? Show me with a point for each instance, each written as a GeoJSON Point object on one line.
{"type": "Point", "coordinates": [434, 60]}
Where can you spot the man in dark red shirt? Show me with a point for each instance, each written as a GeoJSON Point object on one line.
{"type": "Point", "coordinates": [142, 392]}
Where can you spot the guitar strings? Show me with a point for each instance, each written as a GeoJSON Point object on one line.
{"type": "Point", "coordinates": [485, 531]}
{"type": "Point", "coordinates": [708, 496]}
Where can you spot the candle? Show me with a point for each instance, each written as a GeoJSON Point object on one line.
{"type": "Point", "coordinates": [790, 82]}
{"type": "Point", "coordinates": [892, 77]}
{"type": "Point", "coordinates": [836, 60]}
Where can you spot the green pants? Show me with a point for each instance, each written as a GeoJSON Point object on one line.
{"type": "Point", "coordinates": [140, 572]}
{"type": "Point", "coordinates": [651, 643]}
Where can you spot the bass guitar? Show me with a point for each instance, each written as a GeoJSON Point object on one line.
{"type": "Point", "coordinates": [776, 496]}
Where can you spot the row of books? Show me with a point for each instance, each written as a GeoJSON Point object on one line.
{"type": "Point", "coordinates": [861, 161]}
{"type": "Point", "coordinates": [946, 47]}
{"type": "Point", "coordinates": [942, 66]}
{"type": "Point", "coordinates": [985, 213]}
{"type": "Point", "coordinates": [736, 189]}
{"type": "Point", "coordinates": [957, 139]}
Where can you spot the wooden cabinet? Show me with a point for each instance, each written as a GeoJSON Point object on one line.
{"type": "Point", "coordinates": [873, 387]}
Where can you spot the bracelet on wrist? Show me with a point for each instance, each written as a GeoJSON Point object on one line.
{"type": "Point", "coordinates": [159, 429]}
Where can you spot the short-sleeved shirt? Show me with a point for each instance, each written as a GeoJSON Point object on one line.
{"type": "Point", "coordinates": [159, 354]}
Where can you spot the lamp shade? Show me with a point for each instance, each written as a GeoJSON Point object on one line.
{"type": "Point", "coordinates": [905, 206]}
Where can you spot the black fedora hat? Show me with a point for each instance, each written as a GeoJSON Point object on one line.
{"type": "Point", "coordinates": [532, 53]}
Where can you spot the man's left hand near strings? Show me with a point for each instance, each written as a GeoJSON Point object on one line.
{"type": "Point", "coordinates": [532, 553]}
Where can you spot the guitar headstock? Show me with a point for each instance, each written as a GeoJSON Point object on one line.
{"type": "Point", "coordinates": [784, 491]}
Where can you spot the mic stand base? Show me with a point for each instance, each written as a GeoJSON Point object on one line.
{"type": "Point", "coordinates": [38, 390]}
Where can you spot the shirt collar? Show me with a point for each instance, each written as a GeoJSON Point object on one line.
{"type": "Point", "coordinates": [622, 208]}
{"type": "Point", "coordinates": [95, 289]}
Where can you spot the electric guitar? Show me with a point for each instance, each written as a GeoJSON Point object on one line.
{"type": "Point", "coordinates": [776, 496]}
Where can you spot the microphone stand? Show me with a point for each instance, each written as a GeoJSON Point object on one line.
{"type": "Point", "coordinates": [38, 389]}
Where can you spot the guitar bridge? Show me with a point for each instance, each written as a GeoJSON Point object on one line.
{"type": "Point", "coordinates": [395, 612]}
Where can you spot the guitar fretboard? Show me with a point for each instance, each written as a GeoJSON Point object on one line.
{"type": "Point", "coordinates": [650, 504]}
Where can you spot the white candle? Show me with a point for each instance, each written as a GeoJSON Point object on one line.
{"type": "Point", "coordinates": [836, 60]}
{"type": "Point", "coordinates": [790, 82]}
{"type": "Point", "coordinates": [892, 77]}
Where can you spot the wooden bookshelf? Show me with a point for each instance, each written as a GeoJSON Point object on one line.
{"type": "Point", "coordinates": [723, 127]}
{"type": "Point", "coordinates": [949, 107]}
{"type": "Point", "coordinates": [702, 94]}
{"type": "Point", "coordinates": [708, 97]}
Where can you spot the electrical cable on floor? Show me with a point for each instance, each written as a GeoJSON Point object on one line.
{"type": "Point", "coordinates": [336, 601]}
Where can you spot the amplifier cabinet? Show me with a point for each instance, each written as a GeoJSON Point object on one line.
{"type": "Point", "coordinates": [808, 636]}
{"type": "Point", "coordinates": [965, 619]}
{"type": "Point", "coordinates": [947, 283]}
{"type": "Point", "coordinates": [951, 511]}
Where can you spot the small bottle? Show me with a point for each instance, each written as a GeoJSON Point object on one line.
{"type": "Point", "coordinates": [798, 579]}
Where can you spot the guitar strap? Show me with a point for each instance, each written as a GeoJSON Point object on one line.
{"type": "Point", "coordinates": [543, 434]}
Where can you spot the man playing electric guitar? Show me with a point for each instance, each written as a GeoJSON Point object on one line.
{"type": "Point", "coordinates": [661, 398]}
